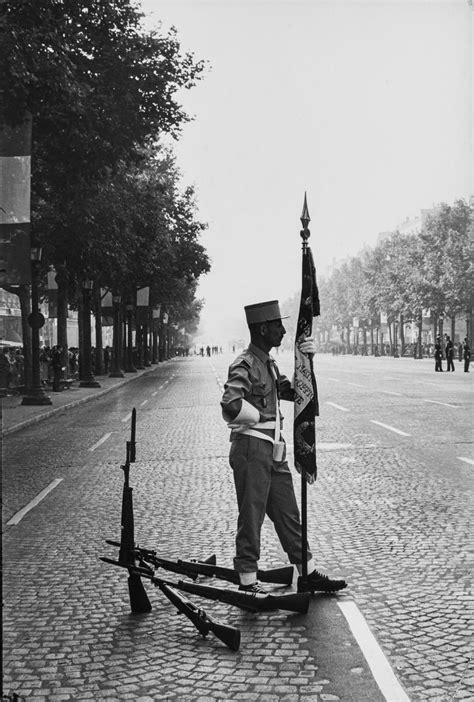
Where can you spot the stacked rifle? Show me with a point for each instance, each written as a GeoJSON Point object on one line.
{"type": "Point", "coordinates": [143, 563]}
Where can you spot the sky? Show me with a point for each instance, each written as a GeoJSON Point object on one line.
{"type": "Point", "coordinates": [365, 106]}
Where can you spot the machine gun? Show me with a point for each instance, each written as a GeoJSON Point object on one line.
{"type": "Point", "coordinates": [252, 602]}
{"type": "Point", "coordinates": [193, 568]}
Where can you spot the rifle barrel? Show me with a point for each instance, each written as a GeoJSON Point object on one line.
{"type": "Point", "coordinates": [297, 602]}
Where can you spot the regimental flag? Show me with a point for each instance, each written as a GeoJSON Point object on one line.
{"type": "Point", "coordinates": [306, 392]}
{"type": "Point", "coordinates": [15, 169]}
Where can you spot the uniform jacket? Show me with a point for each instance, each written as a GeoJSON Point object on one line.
{"type": "Point", "coordinates": [250, 378]}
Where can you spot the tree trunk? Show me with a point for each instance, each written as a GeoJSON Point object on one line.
{"type": "Point", "coordinates": [420, 333]}
{"type": "Point", "coordinates": [453, 327]}
{"type": "Point", "coordinates": [99, 355]}
{"type": "Point", "coordinates": [23, 292]}
{"type": "Point", "coordinates": [402, 334]}
{"type": "Point", "coordinates": [61, 281]}
{"type": "Point", "coordinates": [80, 333]}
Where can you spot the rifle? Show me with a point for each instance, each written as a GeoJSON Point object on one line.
{"type": "Point", "coordinates": [252, 602]}
{"type": "Point", "coordinates": [194, 568]}
{"type": "Point", "coordinates": [202, 621]}
{"type": "Point", "coordinates": [139, 601]}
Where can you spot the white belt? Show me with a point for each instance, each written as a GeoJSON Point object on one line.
{"type": "Point", "coordinates": [253, 431]}
{"type": "Point", "coordinates": [258, 435]}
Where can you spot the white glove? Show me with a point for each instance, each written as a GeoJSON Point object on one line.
{"type": "Point", "coordinates": [308, 346]}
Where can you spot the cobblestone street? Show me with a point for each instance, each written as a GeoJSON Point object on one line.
{"type": "Point", "coordinates": [392, 513]}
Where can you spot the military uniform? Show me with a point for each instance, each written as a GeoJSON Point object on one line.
{"type": "Point", "coordinates": [263, 482]}
{"type": "Point", "coordinates": [263, 485]}
{"type": "Point", "coordinates": [466, 355]}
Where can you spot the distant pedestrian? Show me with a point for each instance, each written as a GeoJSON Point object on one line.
{"type": "Point", "coordinates": [57, 363]}
{"type": "Point", "coordinates": [438, 355]}
{"type": "Point", "coordinates": [5, 371]}
{"type": "Point", "coordinates": [460, 351]}
{"type": "Point", "coordinates": [107, 359]}
{"type": "Point", "coordinates": [449, 354]}
{"type": "Point", "coordinates": [466, 352]}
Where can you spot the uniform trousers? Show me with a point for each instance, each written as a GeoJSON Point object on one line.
{"type": "Point", "coordinates": [263, 486]}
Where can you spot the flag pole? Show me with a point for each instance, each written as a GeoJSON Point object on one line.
{"type": "Point", "coordinates": [305, 234]}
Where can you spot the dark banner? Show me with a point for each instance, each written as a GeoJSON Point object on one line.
{"type": "Point", "coordinates": [306, 392]}
{"type": "Point", "coordinates": [15, 265]}
{"type": "Point", "coordinates": [15, 171]}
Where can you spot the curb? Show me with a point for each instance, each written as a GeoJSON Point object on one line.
{"type": "Point", "coordinates": [75, 403]}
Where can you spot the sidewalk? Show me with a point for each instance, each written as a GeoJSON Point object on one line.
{"type": "Point", "coordinates": [15, 416]}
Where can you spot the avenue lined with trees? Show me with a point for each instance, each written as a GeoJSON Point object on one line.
{"type": "Point", "coordinates": [108, 209]}
{"type": "Point", "coordinates": [407, 279]}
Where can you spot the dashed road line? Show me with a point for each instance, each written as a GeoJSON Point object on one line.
{"type": "Point", "coordinates": [325, 446]}
{"type": "Point", "coordinates": [335, 380]}
{"type": "Point", "coordinates": [357, 385]}
{"type": "Point", "coordinates": [378, 663]}
{"type": "Point", "coordinates": [466, 460]}
{"type": "Point", "coordinates": [391, 392]}
{"type": "Point", "coordinates": [143, 403]}
{"type": "Point", "coordinates": [154, 393]}
{"type": "Point", "coordinates": [445, 404]}
{"type": "Point", "coordinates": [34, 502]}
{"type": "Point", "coordinates": [387, 426]}
{"type": "Point", "coordinates": [101, 441]}
{"type": "Point", "coordinates": [129, 416]}
{"type": "Point", "coordinates": [339, 407]}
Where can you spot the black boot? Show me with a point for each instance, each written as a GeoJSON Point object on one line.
{"type": "Point", "coordinates": [318, 582]}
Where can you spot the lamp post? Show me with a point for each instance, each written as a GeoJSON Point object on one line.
{"type": "Point", "coordinates": [88, 380]}
{"type": "Point", "coordinates": [116, 371]}
{"type": "Point", "coordinates": [36, 395]}
{"type": "Point", "coordinates": [129, 365]}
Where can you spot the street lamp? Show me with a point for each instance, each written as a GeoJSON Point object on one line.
{"type": "Point", "coordinates": [88, 380]}
{"type": "Point", "coordinates": [115, 371]}
{"type": "Point", "coordinates": [129, 365]}
{"type": "Point", "coordinates": [36, 395]}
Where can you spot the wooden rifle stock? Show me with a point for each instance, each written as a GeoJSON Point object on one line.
{"type": "Point", "coordinates": [201, 620]}
{"type": "Point", "coordinates": [252, 602]}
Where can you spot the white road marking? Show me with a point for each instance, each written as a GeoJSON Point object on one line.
{"type": "Point", "coordinates": [378, 663]}
{"type": "Point", "coordinates": [125, 419]}
{"type": "Point", "coordinates": [357, 385]}
{"type": "Point", "coordinates": [336, 380]}
{"type": "Point", "coordinates": [101, 441]}
{"type": "Point", "coordinates": [154, 393]}
{"type": "Point", "coordinates": [387, 426]}
{"type": "Point", "coordinates": [339, 407]}
{"type": "Point", "coordinates": [143, 403]}
{"type": "Point", "coordinates": [325, 446]}
{"type": "Point", "coordinates": [446, 404]}
{"type": "Point", "coordinates": [390, 392]}
{"type": "Point", "coordinates": [35, 501]}
{"type": "Point", "coordinates": [466, 460]}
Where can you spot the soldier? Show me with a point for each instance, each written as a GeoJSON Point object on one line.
{"type": "Point", "coordinates": [438, 354]}
{"type": "Point", "coordinates": [263, 482]}
{"type": "Point", "coordinates": [449, 353]}
{"type": "Point", "coordinates": [466, 351]}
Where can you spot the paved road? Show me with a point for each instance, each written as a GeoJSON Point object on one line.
{"type": "Point", "coordinates": [390, 511]}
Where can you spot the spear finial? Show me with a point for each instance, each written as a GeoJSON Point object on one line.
{"type": "Point", "coordinates": [305, 220]}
